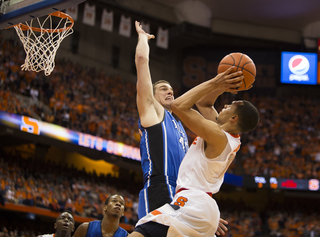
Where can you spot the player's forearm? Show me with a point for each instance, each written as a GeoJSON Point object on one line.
{"type": "Point", "coordinates": [142, 50]}
{"type": "Point", "coordinates": [144, 84]}
{"type": "Point", "coordinates": [188, 99]}
{"type": "Point", "coordinates": [208, 100]}
{"type": "Point", "coordinates": [205, 105]}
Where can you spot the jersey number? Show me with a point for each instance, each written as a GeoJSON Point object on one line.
{"type": "Point", "coordinates": [181, 201]}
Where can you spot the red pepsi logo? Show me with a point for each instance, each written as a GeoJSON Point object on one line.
{"type": "Point", "coordinates": [299, 65]}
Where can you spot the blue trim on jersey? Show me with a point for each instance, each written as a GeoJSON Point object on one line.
{"type": "Point", "coordinates": [94, 230]}
{"type": "Point", "coordinates": [165, 160]}
{"type": "Point", "coordinates": [161, 158]}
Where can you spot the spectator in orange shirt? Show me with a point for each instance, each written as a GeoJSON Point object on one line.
{"type": "Point", "coordinates": [79, 206]}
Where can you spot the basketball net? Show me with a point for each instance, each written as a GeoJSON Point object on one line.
{"type": "Point", "coordinates": [41, 40]}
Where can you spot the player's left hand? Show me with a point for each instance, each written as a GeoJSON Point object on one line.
{"type": "Point", "coordinates": [222, 229]}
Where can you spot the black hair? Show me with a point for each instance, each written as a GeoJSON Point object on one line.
{"type": "Point", "coordinates": [248, 116]}
{"type": "Point", "coordinates": [66, 211]}
{"type": "Point", "coordinates": [108, 199]}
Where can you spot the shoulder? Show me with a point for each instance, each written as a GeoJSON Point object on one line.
{"type": "Point", "coordinates": [81, 231]}
{"type": "Point", "coordinates": [84, 225]}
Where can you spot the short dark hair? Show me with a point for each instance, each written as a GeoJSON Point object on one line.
{"type": "Point", "coordinates": [108, 199]}
{"type": "Point", "coordinates": [70, 212]}
{"type": "Point", "coordinates": [66, 211]}
{"type": "Point", "coordinates": [248, 116]}
{"type": "Point", "coordinates": [158, 82]}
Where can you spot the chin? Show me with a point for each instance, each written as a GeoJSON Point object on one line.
{"type": "Point", "coordinates": [169, 102]}
{"type": "Point", "coordinates": [167, 105]}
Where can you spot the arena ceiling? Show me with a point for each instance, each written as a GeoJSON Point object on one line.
{"type": "Point", "coordinates": [287, 14]}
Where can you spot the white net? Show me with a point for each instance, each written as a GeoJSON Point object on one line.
{"type": "Point", "coordinates": [41, 39]}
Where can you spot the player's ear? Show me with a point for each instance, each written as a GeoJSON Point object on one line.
{"type": "Point", "coordinates": [55, 225]}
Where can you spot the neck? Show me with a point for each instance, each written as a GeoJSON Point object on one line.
{"type": "Point", "coordinates": [229, 129]}
{"type": "Point", "coordinates": [109, 224]}
{"type": "Point", "coordinates": [62, 234]}
{"type": "Point", "coordinates": [167, 108]}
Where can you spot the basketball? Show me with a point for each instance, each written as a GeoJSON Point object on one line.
{"type": "Point", "coordinates": [241, 62]}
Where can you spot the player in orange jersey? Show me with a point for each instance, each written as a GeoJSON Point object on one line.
{"type": "Point", "coordinates": [193, 211]}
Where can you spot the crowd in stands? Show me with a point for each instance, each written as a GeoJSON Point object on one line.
{"type": "Point", "coordinates": [55, 187]}
{"type": "Point", "coordinates": [79, 98]}
{"type": "Point", "coordinates": [58, 188]}
{"type": "Point", "coordinates": [286, 143]}
{"type": "Point", "coordinates": [294, 218]}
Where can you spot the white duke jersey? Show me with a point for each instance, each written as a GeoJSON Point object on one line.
{"type": "Point", "coordinates": [197, 172]}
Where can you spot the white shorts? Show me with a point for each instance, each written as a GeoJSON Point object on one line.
{"type": "Point", "coordinates": [198, 215]}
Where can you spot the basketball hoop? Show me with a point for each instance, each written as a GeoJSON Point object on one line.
{"type": "Point", "coordinates": [41, 40]}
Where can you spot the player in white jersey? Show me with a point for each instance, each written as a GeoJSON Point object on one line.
{"type": "Point", "coordinates": [64, 226]}
{"type": "Point", "coordinates": [194, 212]}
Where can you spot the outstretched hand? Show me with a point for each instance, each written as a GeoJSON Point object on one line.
{"type": "Point", "coordinates": [222, 229]}
{"type": "Point", "coordinates": [229, 81]}
{"type": "Point", "coordinates": [140, 31]}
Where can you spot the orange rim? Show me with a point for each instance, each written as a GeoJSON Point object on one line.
{"type": "Point", "coordinates": [56, 14]}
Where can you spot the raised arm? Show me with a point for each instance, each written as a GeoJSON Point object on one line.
{"type": "Point", "coordinates": [205, 104]}
{"type": "Point", "coordinates": [149, 109]}
{"type": "Point", "coordinates": [207, 129]}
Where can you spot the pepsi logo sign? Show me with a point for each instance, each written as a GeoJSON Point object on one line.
{"type": "Point", "coordinates": [299, 65]}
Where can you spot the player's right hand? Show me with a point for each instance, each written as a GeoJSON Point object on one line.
{"type": "Point", "coordinates": [141, 31]}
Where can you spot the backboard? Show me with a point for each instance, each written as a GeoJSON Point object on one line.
{"type": "Point", "coordinates": [13, 12]}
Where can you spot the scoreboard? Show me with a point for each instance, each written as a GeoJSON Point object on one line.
{"type": "Point", "coordinates": [280, 183]}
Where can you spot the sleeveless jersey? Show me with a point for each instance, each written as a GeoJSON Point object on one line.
{"type": "Point", "coordinates": [94, 230]}
{"type": "Point", "coordinates": [162, 149]}
{"type": "Point", "coordinates": [47, 235]}
{"type": "Point", "coordinates": [193, 212]}
{"type": "Point", "coordinates": [200, 173]}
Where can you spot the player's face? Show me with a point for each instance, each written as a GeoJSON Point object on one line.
{"type": "Point", "coordinates": [65, 223]}
{"type": "Point", "coordinates": [164, 95]}
{"type": "Point", "coordinates": [115, 206]}
{"type": "Point", "coordinates": [228, 112]}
